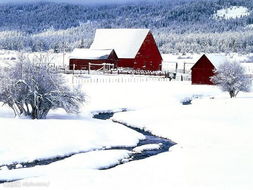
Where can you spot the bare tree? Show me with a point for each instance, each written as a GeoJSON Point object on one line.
{"type": "Point", "coordinates": [33, 88]}
{"type": "Point", "coordinates": [231, 77]}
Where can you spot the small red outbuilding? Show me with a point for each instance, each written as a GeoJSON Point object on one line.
{"type": "Point", "coordinates": [91, 59]}
{"type": "Point", "coordinates": [204, 68]}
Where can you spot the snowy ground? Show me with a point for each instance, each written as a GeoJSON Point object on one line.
{"type": "Point", "coordinates": [213, 136]}
{"type": "Point", "coordinates": [184, 61]}
{"type": "Point", "coordinates": [26, 140]}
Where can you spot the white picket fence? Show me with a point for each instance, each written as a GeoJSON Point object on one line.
{"type": "Point", "coordinates": [122, 79]}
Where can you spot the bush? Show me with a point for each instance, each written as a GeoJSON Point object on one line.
{"type": "Point", "coordinates": [231, 78]}
{"type": "Point", "coordinates": [32, 88]}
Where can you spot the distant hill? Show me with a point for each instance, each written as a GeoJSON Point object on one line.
{"type": "Point", "coordinates": [42, 26]}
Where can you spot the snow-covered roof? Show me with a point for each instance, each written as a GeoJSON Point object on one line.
{"type": "Point", "coordinates": [125, 42]}
{"type": "Point", "coordinates": [81, 53]}
{"type": "Point", "coordinates": [216, 59]}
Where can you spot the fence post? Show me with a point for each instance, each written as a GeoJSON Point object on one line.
{"type": "Point", "coordinates": [73, 74]}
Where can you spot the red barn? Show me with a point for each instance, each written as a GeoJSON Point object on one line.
{"type": "Point", "coordinates": [204, 68]}
{"type": "Point", "coordinates": [91, 59]}
{"type": "Point", "coordinates": [135, 48]}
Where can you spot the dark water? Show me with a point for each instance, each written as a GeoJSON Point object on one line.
{"type": "Point", "coordinates": [164, 143]}
{"type": "Point", "coordinates": [38, 162]}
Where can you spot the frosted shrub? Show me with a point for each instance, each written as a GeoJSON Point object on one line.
{"type": "Point", "coordinates": [231, 78]}
{"type": "Point", "coordinates": [186, 101]}
{"type": "Point", "coordinates": [34, 89]}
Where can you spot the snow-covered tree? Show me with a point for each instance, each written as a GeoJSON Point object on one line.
{"type": "Point", "coordinates": [32, 88]}
{"type": "Point", "coordinates": [231, 78]}
{"type": "Point", "coordinates": [178, 26]}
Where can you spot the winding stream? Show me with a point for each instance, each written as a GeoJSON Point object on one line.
{"type": "Point", "coordinates": [153, 145]}
{"type": "Point", "coordinates": [150, 139]}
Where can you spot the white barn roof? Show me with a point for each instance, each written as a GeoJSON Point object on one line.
{"type": "Point", "coordinates": [217, 60]}
{"type": "Point", "coordinates": [125, 42]}
{"type": "Point", "coordinates": [81, 53]}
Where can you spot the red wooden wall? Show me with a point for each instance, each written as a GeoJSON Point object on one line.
{"type": "Point", "coordinates": [202, 71]}
{"type": "Point", "coordinates": [147, 58]}
{"type": "Point", "coordinates": [83, 64]}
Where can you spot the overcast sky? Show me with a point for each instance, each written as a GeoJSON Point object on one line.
{"type": "Point", "coordinates": [75, 1]}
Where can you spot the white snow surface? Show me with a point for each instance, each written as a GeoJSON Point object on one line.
{"type": "Point", "coordinates": [82, 53]}
{"type": "Point", "coordinates": [24, 140]}
{"type": "Point", "coordinates": [232, 12]}
{"type": "Point", "coordinates": [84, 161]}
{"type": "Point", "coordinates": [125, 42]}
{"type": "Point", "coordinates": [214, 149]}
{"type": "Point", "coordinates": [8, 58]}
{"type": "Point", "coordinates": [178, 63]}
{"type": "Point", "coordinates": [185, 62]}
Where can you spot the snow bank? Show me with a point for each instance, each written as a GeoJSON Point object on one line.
{"type": "Point", "coordinates": [24, 140]}
{"type": "Point", "coordinates": [213, 148]}
{"type": "Point", "coordinates": [83, 161]}
{"type": "Point", "coordinates": [135, 96]}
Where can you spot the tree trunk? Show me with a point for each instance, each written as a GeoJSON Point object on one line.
{"type": "Point", "coordinates": [232, 94]}
{"type": "Point", "coordinates": [27, 109]}
{"type": "Point", "coordinates": [34, 112]}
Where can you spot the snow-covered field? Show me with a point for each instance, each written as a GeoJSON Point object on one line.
{"type": "Point", "coordinates": [184, 62]}
{"type": "Point", "coordinates": [25, 140]}
{"type": "Point", "coordinates": [232, 12]}
{"type": "Point", "coordinates": [213, 135]}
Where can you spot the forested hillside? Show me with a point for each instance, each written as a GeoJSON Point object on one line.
{"type": "Point", "coordinates": [179, 26]}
